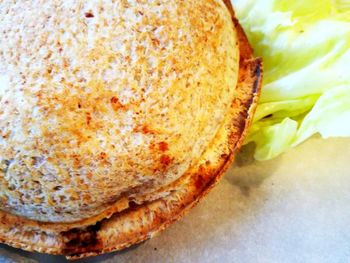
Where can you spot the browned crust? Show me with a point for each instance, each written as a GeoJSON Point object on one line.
{"type": "Point", "coordinates": [140, 222]}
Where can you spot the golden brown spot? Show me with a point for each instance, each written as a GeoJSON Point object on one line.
{"type": "Point", "coordinates": [89, 175]}
{"type": "Point", "coordinates": [88, 118]}
{"type": "Point", "coordinates": [155, 42]}
{"type": "Point", "coordinates": [147, 130]}
{"type": "Point", "coordinates": [103, 158]}
{"type": "Point", "coordinates": [103, 155]}
{"type": "Point", "coordinates": [76, 160]}
{"type": "Point", "coordinates": [116, 103]}
{"type": "Point", "coordinates": [165, 160]}
{"type": "Point", "coordinates": [65, 63]}
{"type": "Point", "coordinates": [151, 146]}
{"type": "Point", "coordinates": [144, 129]}
{"type": "Point", "coordinates": [163, 146]}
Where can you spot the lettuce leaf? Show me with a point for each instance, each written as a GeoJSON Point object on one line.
{"type": "Point", "coordinates": [305, 46]}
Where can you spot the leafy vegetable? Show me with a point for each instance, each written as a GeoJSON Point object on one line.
{"type": "Point", "coordinates": [305, 46]}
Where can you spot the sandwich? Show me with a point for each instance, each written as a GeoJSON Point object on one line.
{"type": "Point", "coordinates": [116, 117]}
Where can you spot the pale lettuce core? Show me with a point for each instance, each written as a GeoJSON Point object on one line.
{"type": "Point", "coordinates": [305, 46]}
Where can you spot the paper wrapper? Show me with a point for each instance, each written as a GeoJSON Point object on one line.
{"type": "Point", "coordinates": [295, 208]}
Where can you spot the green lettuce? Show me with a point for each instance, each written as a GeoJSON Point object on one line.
{"type": "Point", "coordinates": [305, 46]}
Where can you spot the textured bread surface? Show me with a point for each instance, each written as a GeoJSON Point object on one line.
{"type": "Point", "coordinates": [107, 101]}
{"type": "Point", "coordinates": [128, 222]}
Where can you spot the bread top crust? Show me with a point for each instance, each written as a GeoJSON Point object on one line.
{"type": "Point", "coordinates": [103, 101]}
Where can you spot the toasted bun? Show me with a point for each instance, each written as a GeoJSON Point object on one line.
{"type": "Point", "coordinates": [106, 100]}
{"type": "Point", "coordinates": [181, 108]}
